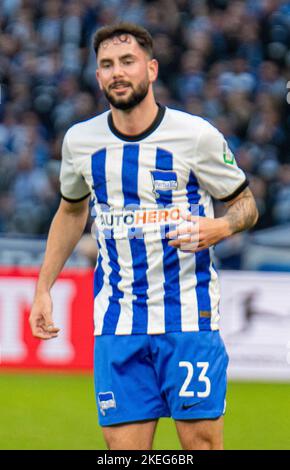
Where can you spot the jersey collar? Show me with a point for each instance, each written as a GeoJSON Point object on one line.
{"type": "Point", "coordinates": [142, 135]}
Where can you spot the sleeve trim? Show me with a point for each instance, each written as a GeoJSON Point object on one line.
{"type": "Point", "coordinates": [238, 191]}
{"type": "Point", "coordinates": [75, 200]}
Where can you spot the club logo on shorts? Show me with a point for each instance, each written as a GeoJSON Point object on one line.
{"type": "Point", "coordinates": [163, 181]}
{"type": "Point", "coordinates": [106, 400]}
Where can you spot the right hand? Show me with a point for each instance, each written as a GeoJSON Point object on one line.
{"type": "Point", "coordinates": [40, 318]}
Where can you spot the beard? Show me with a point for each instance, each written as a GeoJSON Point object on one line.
{"type": "Point", "coordinates": [132, 100]}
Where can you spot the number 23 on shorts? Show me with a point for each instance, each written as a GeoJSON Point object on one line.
{"type": "Point", "coordinates": [184, 392]}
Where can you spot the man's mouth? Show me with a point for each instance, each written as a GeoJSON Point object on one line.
{"type": "Point", "coordinates": [120, 86]}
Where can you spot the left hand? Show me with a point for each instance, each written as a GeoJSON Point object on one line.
{"type": "Point", "coordinates": [198, 233]}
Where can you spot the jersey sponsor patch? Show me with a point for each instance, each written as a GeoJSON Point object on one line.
{"type": "Point", "coordinates": [163, 181]}
{"type": "Point", "coordinates": [106, 400]}
{"type": "Point", "coordinates": [151, 221]}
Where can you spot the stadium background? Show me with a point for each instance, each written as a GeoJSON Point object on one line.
{"type": "Point", "coordinates": [227, 61]}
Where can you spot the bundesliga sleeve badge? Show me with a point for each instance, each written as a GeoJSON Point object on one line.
{"type": "Point", "coordinates": [228, 155]}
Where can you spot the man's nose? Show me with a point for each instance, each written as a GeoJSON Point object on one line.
{"type": "Point", "coordinates": [117, 70]}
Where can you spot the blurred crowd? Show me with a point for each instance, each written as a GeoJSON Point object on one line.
{"type": "Point", "coordinates": [227, 61]}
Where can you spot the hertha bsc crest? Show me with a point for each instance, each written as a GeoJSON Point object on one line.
{"type": "Point", "coordinates": [106, 400]}
{"type": "Point", "coordinates": [163, 182]}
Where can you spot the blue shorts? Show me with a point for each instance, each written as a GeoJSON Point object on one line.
{"type": "Point", "coordinates": [140, 377]}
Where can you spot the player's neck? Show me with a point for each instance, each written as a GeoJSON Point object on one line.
{"type": "Point", "coordinates": [138, 119]}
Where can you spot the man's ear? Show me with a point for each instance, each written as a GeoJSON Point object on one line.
{"type": "Point", "coordinates": [153, 70]}
{"type": "Point", "coordinates": [98, 78]}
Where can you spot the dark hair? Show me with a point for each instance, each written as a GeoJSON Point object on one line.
{"type": "Point", "coordinates": [143, 37]}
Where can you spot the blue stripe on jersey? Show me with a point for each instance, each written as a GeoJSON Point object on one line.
{"type": "Point", "coordinates": [98, 275]}
{"type": "Point", "coordinates": [171, 267]}
{"type": "Point", "coordinates": [99, 177]}
{"type": "Point", "coordinates": [137, 243]}
{"type": "Point", "coordinates": [202, 258]}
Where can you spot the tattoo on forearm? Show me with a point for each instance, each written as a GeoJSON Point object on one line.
{"type": "Point", "coordinates": [242, 214]}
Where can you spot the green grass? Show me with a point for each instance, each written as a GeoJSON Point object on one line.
{"type": "Point", "coordinates": [57, 411]}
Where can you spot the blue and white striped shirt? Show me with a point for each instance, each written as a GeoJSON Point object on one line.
{"type": "Point", "coordinates": [142, 285]}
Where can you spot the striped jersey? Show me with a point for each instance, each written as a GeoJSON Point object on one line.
{"type": "Point", "coordinates": [137, 184]}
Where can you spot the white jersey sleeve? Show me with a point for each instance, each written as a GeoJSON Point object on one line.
{"type": "Point", "coordinates": [73, 187]}
{"type": "Point", "coordinates": [217, 170]}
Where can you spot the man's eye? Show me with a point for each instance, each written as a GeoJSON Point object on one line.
{"type": "Point", "coordinates": [128, 62]}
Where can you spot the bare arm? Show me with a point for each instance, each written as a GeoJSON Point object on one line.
{"type": "Point", "coordinates": [242, 214]}
{"type": "Point", "coordinates": [65, 231]}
